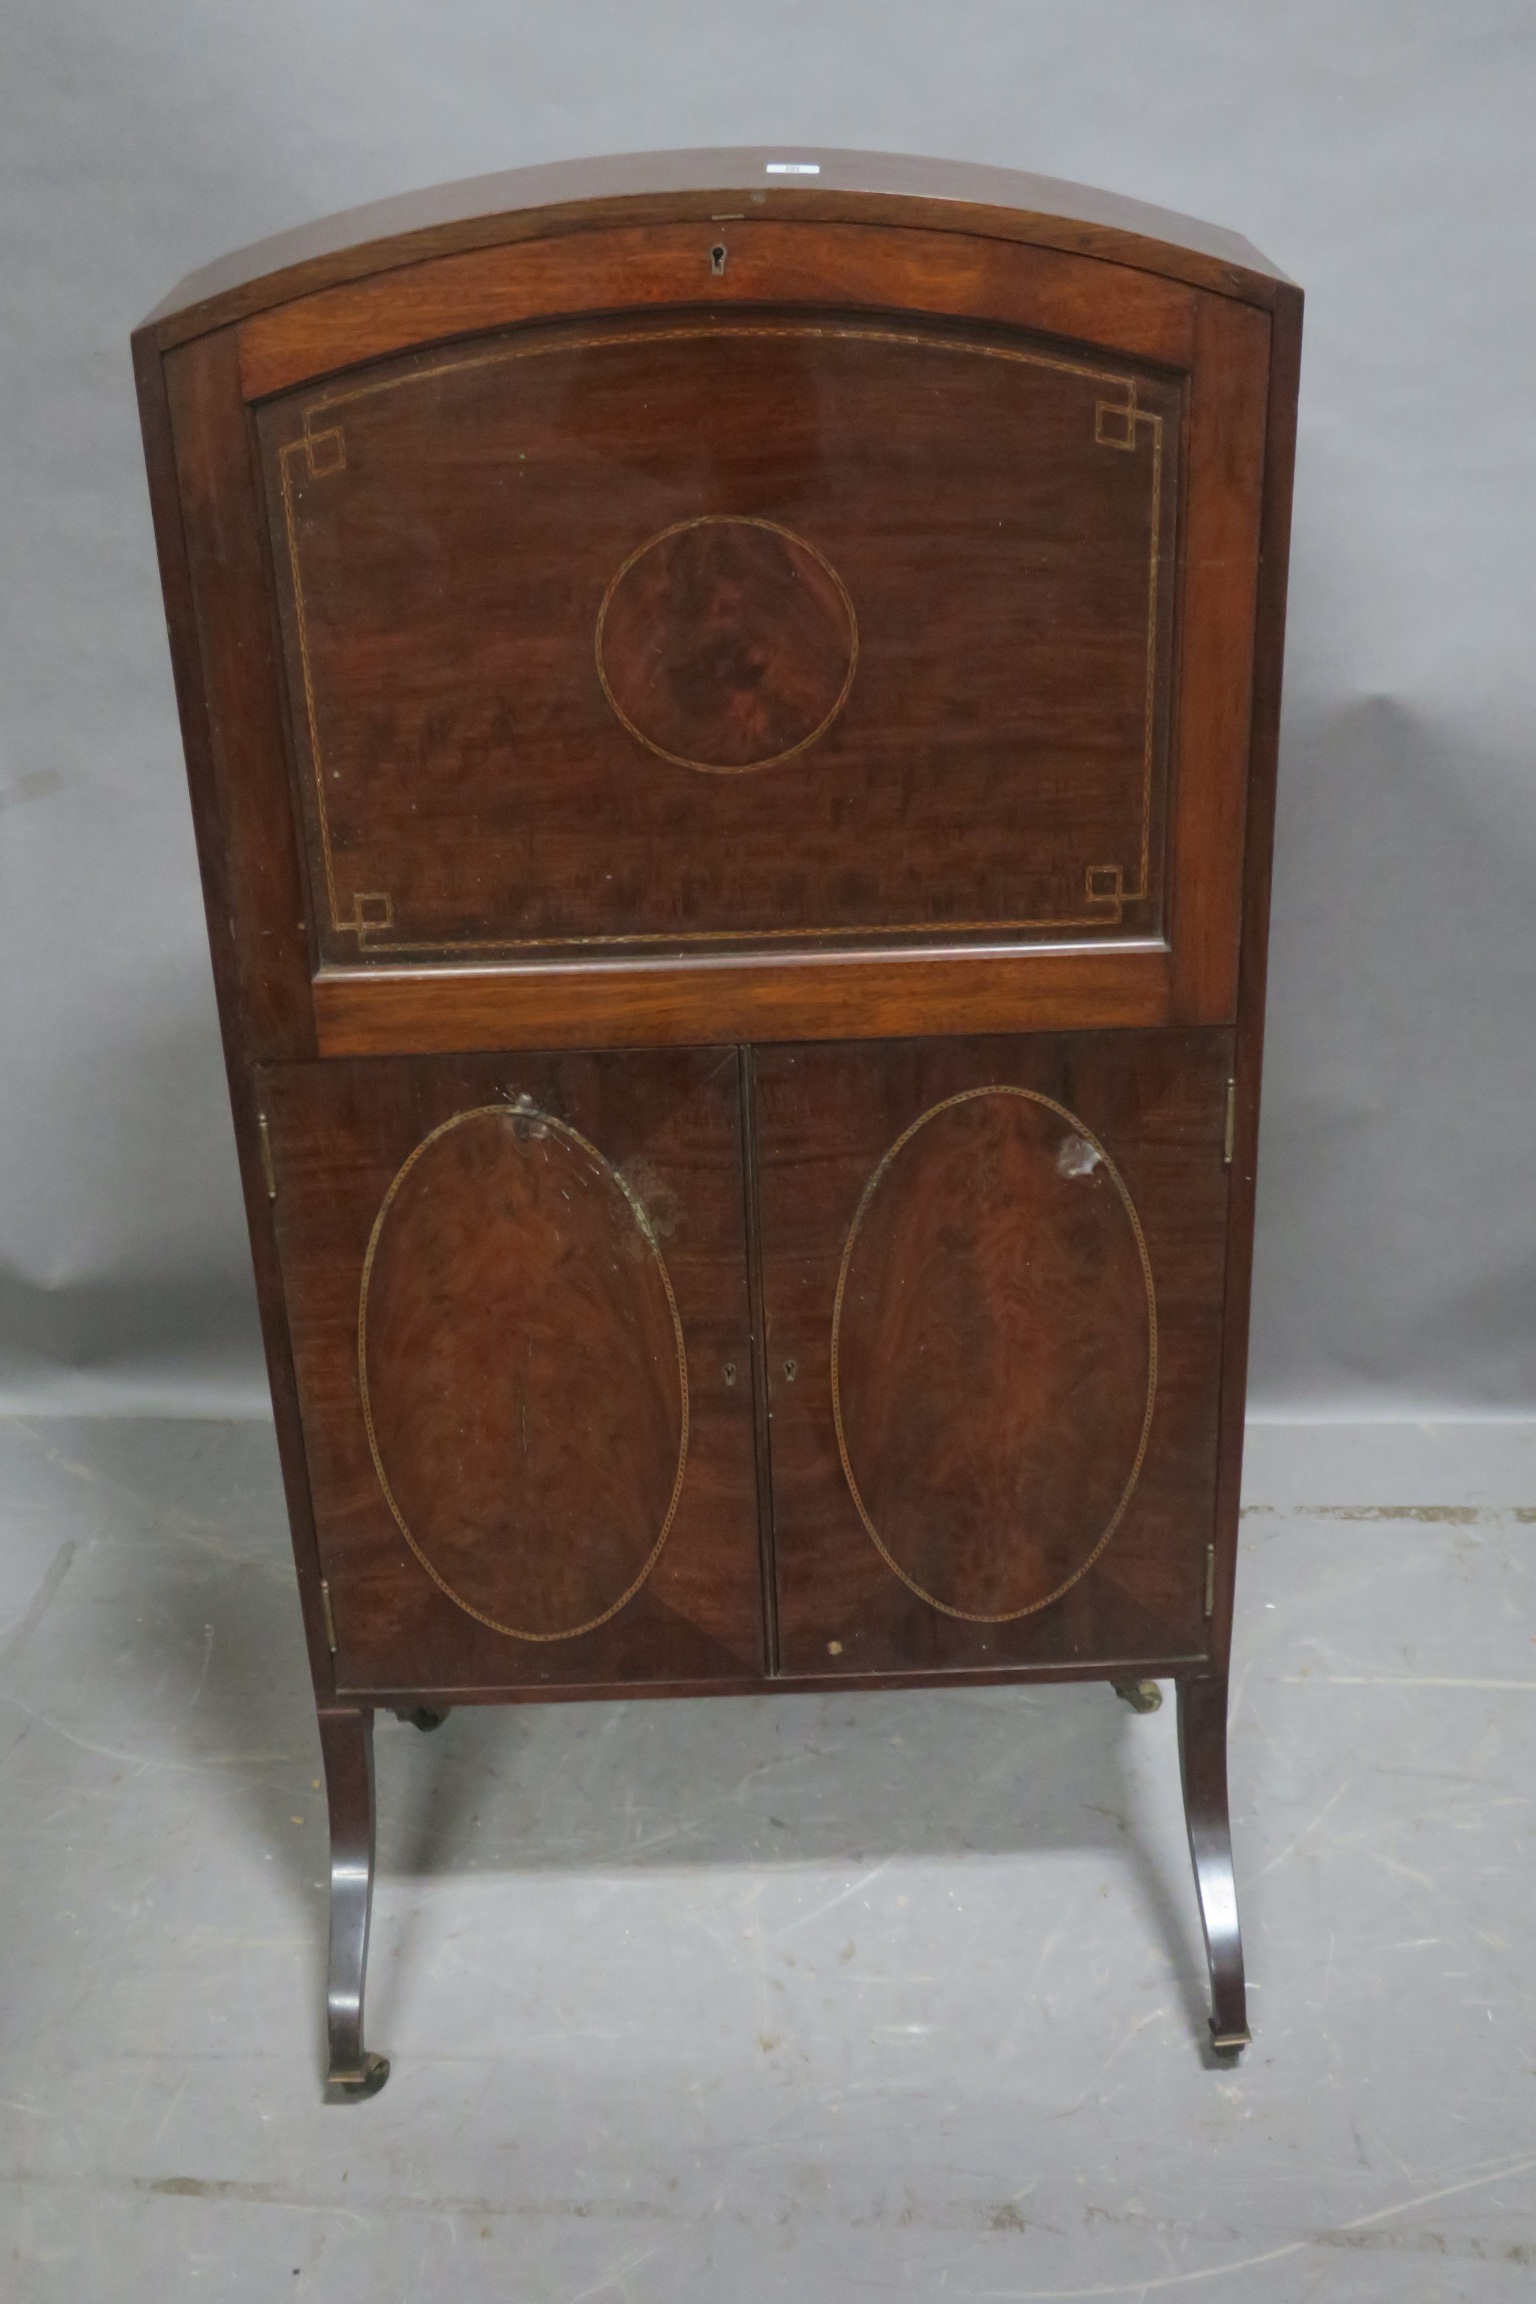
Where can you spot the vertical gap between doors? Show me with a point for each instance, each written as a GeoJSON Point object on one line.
{"type": "Point", "coordinates": [761, 1428]}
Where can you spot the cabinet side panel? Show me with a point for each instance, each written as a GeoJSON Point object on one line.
{"type": "Point", "coordinates": [183, 471]}
{"type": "Point", "coordinates": [1221, 550]}
{"type": "Point", "coordinates": [1274, 554]}
{"type": "Point", "coordinates": [245, 761]}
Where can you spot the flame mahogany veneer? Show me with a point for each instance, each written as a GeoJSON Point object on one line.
{"type": "Point", "coordinates": [731, 718]}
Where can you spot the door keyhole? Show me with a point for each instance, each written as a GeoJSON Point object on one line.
{"type": "Point", "coordinates": [717, 258]}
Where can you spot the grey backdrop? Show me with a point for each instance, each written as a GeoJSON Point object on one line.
{"type": "Point", "coordinates": [1383, 154]}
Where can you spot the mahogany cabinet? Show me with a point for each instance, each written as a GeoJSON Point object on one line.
{"type": "Point", "coordinates": [730, 702]}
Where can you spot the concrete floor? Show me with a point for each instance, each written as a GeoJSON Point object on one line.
{"type": "Point", "coordinates": [798, 1997]}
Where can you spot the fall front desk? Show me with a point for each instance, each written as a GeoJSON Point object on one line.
{"type": "Point", "coordinates": [730, 702]}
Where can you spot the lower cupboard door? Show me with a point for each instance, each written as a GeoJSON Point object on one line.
{"type": "Point", "coordinates": [992, 1287]}
{"type": "Point", "coordinates": [516, 1292]}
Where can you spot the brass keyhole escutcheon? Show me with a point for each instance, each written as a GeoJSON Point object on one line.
{"type": "Point", "coordinates": [717, 257]}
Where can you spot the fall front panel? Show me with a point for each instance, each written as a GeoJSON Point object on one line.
{"type": "Point", "coordinates": [712, 629]}
{"type": "Point", "coordinates": [992, 1285]}
{"type": "Point", "coordinates": [516, 1293]}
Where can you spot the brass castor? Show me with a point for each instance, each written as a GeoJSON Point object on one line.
{"type": "Point", "coordinates": [1141, 1695]}
{"type": "Point", "coordinates": [353, 2088]}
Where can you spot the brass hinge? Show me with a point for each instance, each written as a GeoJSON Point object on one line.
{"type": "Point", "coordinates": [330, 1621]}
{"type": "Point", "coordinates": [1210, 1580]}
{"type": "Point", "coordinates": [268, 1167]}
{"type": "Point", "coordinates": [1229, 1137]}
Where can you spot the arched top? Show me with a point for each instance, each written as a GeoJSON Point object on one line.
{"type": "Point", "coordinates": [788, 182]}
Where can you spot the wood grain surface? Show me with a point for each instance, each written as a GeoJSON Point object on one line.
{"type": "Point", "coordinates": [514, 686]}
{"type": "Point", "coordinates": [726, 644]}
{"type": "Point", "coordinates": [876, 265]}
{"type": "Point", "coordinates": [523, 1372]}
{"type": "Point", "coordinates": [997, 1321]}
{"type": "Point", "coordinates": [823, 994]}
{"type": "Point", "coordinates": [994, 1353]}
{"type": "Point", "coordinates": [517, 1294]}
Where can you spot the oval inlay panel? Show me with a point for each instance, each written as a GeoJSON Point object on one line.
{"type": "Point", "coordinates": [524, 1383]}
{"type": "Point", "coordinates": [727, 644]}
{"type": "Point", "coordinates": [994, 1354]}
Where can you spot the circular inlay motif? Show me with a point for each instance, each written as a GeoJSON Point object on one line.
{"type": "Point", "coordinates": [524, 1383]}
{"type": "Point", "coordinates": [727, 644]}
{"type": "Point", "coordinates": [994, 1354]}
